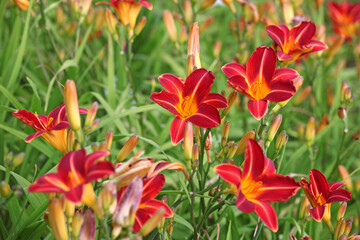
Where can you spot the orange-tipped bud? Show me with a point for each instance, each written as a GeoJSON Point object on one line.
{"type": "Point", "coordinates": [57, 219]}
{"type": "Point", "coordinates": [342, 113]}
{"type": "Point", "coordinates": [301, 96]}
{"type": "Point", "coordinates": [22, 4]}
{"type": "Point", "coordinates": [76, 224]}
{"type": "Point", "coordinates": [205, 4]}
{"type": "Point", "coordinates": [341, 211]}
{"type": "Point", "coordinates": [4, 189]}
{"type": "Point", "coordinates": [69, 208]}
{"type": "Point", "coordinates": [344, 174]}
{"type": "Point", "coordinates": [300, 130]}
{"type": "Point", "coordinates": [89, 199]}
{"type": "Point", "coordinates": [91, 114]}
{"type": "Point", "coordinates": [127, 148]}
{"type": "Point", "coordinates": [322, 124]}
{"type": "Point", "coordinates": [90, 16]}
{"type": "Point", "coordinates": [348, 97]}
{"type": "Point", "coordinates": [107, 198]}
{"type": "Point", "coordinates": [72, 105]}
{"type": "Point", "coordinates": [111, 22]}
{"type": "Point", "coordinates": [304, 208]}
{"type": "Point", "coordinates": [183, 35]}
{"type": "Point", "coordinates": [88, 229]}
{"type": "Point", "coordinates": [281, 141]}
{"type": "Point", "coordinates": [232, 150]}
{"type": "Point", "coordinates": [230, 4]}
{"type": "Point", "coordinates": [274, 127]}
{"type": "Point", "coordinates": [140, 25]}
{"type": "Point", "coordinates": [339, 229]}
{"type": "Point", "coordinates": [60, 16]}
{"type": "Point", "coordinates": [99, 19]}
{"type": "Point", "coordinates": [329, 95]}
{"type": "Point", "coordinates": [207, 23]}
{"type": "Point", "coordinates": [81, 7]}
{"type": "Point", "coordinates": [217, 48]}
{"type": "Point", "coordinates": [230, 100]}
{"type": "Point", "coordinates": [170, 25]}
{"type": "Point", "coordinates": [188, 13]}
{"type": "Point", "coordinates": [334, 48]}
{"type": "Point", "coordinates": [70, 140]}
{"type": "Point", "coordinates": [242, 142]}
{"type": "Point", "coordinates": [109, 138]}
{"type": "Point", "coordinates": [195, 152]}
{"type": "Point", "coordinates": [188, 144]}
{"type": "Point", "coordinates": [348, 226]}
{"type": "Point", "coordinates": [343, 237]}
{"type": "Point", "coordinates": [18, 159]}
{"type": "Point", "coordinates": [343, 88]}
{"type": "Point", "coordinates": [287, 10]}
{"type": "Point", "coordinates": [153, 221]}
{"type": "Point", "coordinates": [310, 131]}
{"type": "Point", "coordinates": [252, 14]}
{"type": "Point", "coordinates": [208, 142]}
{"type": "Point", "coordinates": [193, 60]}
{"type": "Point", "coordinates": [225, 133]}
{"type": "Point", "coordinates": [318, 3]}
{"type": "Point", "coordinates": [327, 217]}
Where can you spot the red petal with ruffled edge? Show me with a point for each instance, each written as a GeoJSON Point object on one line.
{"type": "Point", "coordinates": [198, 85]}
{"type": "Point", "coordinates": [234, 69]}
{"type": "Point", "coordinates": [216, 100]}
{"type": "Point", "coordinates": [154, 205]}
{"type": "Point", "coordinates": [159, 166]}
{"type": "Point", "coordinates": [167, 100]}
{"type": "Point", "coordinates": [240, 84]}
{"type": "Point", "coordinates": [283, 56]}
{"type": "Point", "coordinates": [30, 119]}
{"type": "Point", "coordinates": [254, 160]}
{"type": "Point", "coordinates": [58, 114]}
{"type": "Point", "coordinates": [34, 135]}
{"type": "Point", "coordinates": [268, 215]}
{"type": "Point", "coordinates": [335, 185]}
{"type": "Point", "coordinates": [339, 195]}
{"type": "Point", "coordinates": [171, 83]}
{"type": "Point", "coordinates": [261, 65]}
{"type": "Point", "coordinates": [177, 130]}
{"type": "Point", "coordinates": [74, 163]}
{"type": "Point", "coordinates": [318, 183]}
{"type": "Point", "coordinates": [316, 46]}
{"type": "Point", "coordinates": [100, 170]}
{"type": "Point", "coordinates": [303, 32]}
{"type": "Point", "coordinates": [206, 117]}
{"type": "Point", "coordinates": [49, 183]}
{"type": "Point", "coordinates": [152, 187]}
{"type": "Point", "coordinates": [229, 172]}
{"type": "Point", "coordinates": [282, 86]}
{"type": "Point", "coordinates": [276, 188]}
{"type": "Point", "coordinates": [269, 166]}
{"type": "Point", "coordinates": [243, 204]}
{"type": "Point", "coordinates": [93, 157]}
{"type": "Point", "coordinates": [146, 4]}
{"type": "Point", "coordinates": [75, 194]}
{"type": "Point", "coordinates": [279, 35]}
{"type": "Point", "coordinates": [317, 213]}
{"type": "Point", "coordinates": [258, 108]}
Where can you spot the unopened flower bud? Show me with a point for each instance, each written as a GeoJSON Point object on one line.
{"type": "Point", "coordinates": [303, 212]}
{"type": "Point", "coordinates": [18, 159]}
{"type": "Point", "coordinates": [69, 208]}
{"type": "Point", "coordinates": [72, 105]}
{"type": "Point", "coordinates": [140, 25]}
{"type": "Point", "coordinates": [232, 150]}
{"type": "Point", "coordinates": [152, 222]}
{"type": "Point", "coordinates": [208, 142]}
{"type": "Point", "coordinates": [342, 113]}
{"type": "Point", "coordinates": [205, 4]}
{"type": "Point", "coordinates": [81, 7]}
{"type": "Point", "coordinates": [188, 13]}
{"type": "Point", "coordinates": [341, 211]}
{"type": "Point", "coordinates": [322, 124]}
{"type": "Point", "coordinates": [88, 228]}
{"type": "Point", "coordinates": [99, 19]}
{"type": "Point", "coordinates": [348, 97]}
{"type": "Point", "coordinates": [348, 226]}
{"type": "Point", "coordinates": [22, 4]}
{"type": "Point", "coordinates": [70, 140]}
{"type": "Point", "coordinates": [111, 22]}
{"type": "Point", "coordinates": [91, 114]}
{"type": "Point", "coordinates": [206, 24]}
{"type": "Point", "coordinates": [273, 129]}
{"type": "Point", "coordinates": [17, 190]}
{"type": "Point", "coordinates": [339, 229]}
{"type": "Point", "coordinates": [302, 95]}
{"type": "Point", "coordinates": [327, 217]}
{"type": "Point", "coordinates": [183, 36]}
{"type": "Point", "coordinates": [310, 131]}
{"type": "Point", "coordinates": [60, 16]}
{"type": "Point", "coordinates": [243, 140]}
{"type": "Point", "coordinates": [76, 224]}
{"type": "Point", "coordinates": [57, 219]}
{"type": "Point", "coordinates": [216, 49]}
{"type": "Point", "coordinates": [343, 88]}
{"type": "Point", "coordinates": [287, 10]}
{"type": "Point", "coordinates": [170, 25]}
{"type": "Point", "coordinates": [109, 138]}
{"type": "Point", "coordinates": [334, 47]}
{"type": "Point", "coordinates": [230, 100]}
{"type": "Point", "coordinates": [188, 141]}
{"type": "Point", "coordinates": [281, 141]}
{"type": "Point", "coordinates": [344, 174]}
{"type": "Point", "coordinates": [107, 198]}
{"type": "Point", "coordinates": [343, 237]}
{"type": "Point", "coordinates": [4, 189]}
{"type": "Point", "coordinates": [193, 53]}
{"type": "Point", "coordinates": [225, 133]}
{"type": "Point", "coordinates": [127, 148]}
{"type": "Point", "coordinates": [230, 4]}
{"type": "Point", "coordinates": [9, 159]}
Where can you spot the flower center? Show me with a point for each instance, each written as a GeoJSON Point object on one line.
{"type": "Point", "coordinates": [320, 199]}
{"type": "Point", "coordinates": [188, 107]}
{"type": "Point", "coordinates": [259, 89]}
{"type": "Point", "coordinates": [249, 188]}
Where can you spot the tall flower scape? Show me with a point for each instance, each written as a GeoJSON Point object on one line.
{"type": "Point", "coordinates": [252, 136]}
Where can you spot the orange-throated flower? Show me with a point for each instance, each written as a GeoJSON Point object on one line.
{"type": "Point", "coordinates": [294, 43]}
{"type": "Point", "coordinates": [148, 204]}
{"type": "Point", "coordinates": [190, 100]}
{"type": "Point", "coordinates": [52, 128]}
{"type": "Point", "coordinates": [75, 172]}
{"type": "Point", "coordinates": [128, 10]}
{"type": "Point", "coordinates": [345, 18]}
{"type": "Point", "coordinates": [257, 184]}
{"type": "Point", "coordinates": [320, 192]}
{"type": "Point", "coordinates": [261, 81]}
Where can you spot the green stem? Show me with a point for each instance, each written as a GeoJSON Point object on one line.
{"type": "Point", "coordinates": [258, 229]}
{"type": "Point", "coordinates": [340, 149]}
{"type": "Point", "coordinates": [192, 209]}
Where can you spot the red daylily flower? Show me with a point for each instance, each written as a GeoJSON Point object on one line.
{"type": "Point", "coordinates": [345, 18]}
{"type": "Point", "coordinates": [320, 192]}
{"type": "Point", "coordinates": [128, 10]}
{"type": "Point", "coordinates": [296, 42]}
{"type": "Point", "coordinates": [257, 184]}
{"type": "Point", "coordinates": [148, 204]}
{"type": "Point", "coordinates": [261, 81]}
{"type": "Point", "coordinates": [190, 100]}
{"type": "Point", "coordinates": [52, 128]}
{"type": "Point", "coordinates": [75, 172]}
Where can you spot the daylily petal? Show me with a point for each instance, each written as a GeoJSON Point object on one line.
{"type": "Point", "coordinates": [316, 45]}
{"type": "Point", "coordinates": [277, 34]}
{"type": "Point", "coordinates": [258, 108]}
{"type": "Point", "coordinates": [198, 84]}
{"type": "Point", "coordinates": [152, 187]}
{"type": "Point", "coordinates": [74, 163]}
{"type": "Point", "coordinates": [75, 194]}
{"type": "Point", "coordinates": [216, 100]}
{"type": "Point", "coordinates": [101, 170]}
{"type": "Point", "coordinates": [177, 130]}
{"type": "Point", "coordinates": [140, 219]}
{"type": "Point", "coordinates": [206, 117]}
{"type": "Point", "coordinates": [34, 135]}
{"type": "Point", "coordinates": [93, 157]}
{"type": "Point", "coordinates": [234, 69]}
{"type": "Point", "coordinates": [146, 4]}
{"type": "Point", "coordinates": [339, 195]}
{"type": "Point", "coordinates": [261, 65]}
{"type": "Point", "coordinates": [303, 32]}
{"type": "Point", "coordinates": [267, 214]}
{"type": "Point", "coordinates": [154, 205]}
{"type": "Point", "coordinates": [166, 100]}
{"type": "Point", "coordinates": [240, 84]}
{"type": "Point", "coordinates": [171, 83]}
{"type": "Point", "coordinates": [243, 204]}
{"type": "Point", "coordinates": [318, 183]}
{"type": "Point", "coordinates": [317, 213]}
{"type": "Point", "coordinates": [276, 187]}
{"type": "Point", "coordinates": [30, 119]}
{"type": "Point", "coordinates": [229, 172]}
{"type": "Point", "coordinates": [269, 166]}
{"type": "Point", "coordinates": [58, 114]}
{"type": "Point", "coordinates": [61, 126]}
{"type": "Point", "coordinates": [159, 166]}
{"type": "Point", "coordinates": [49, 183]}
{"type": "Point", "coordinates": [335, 185]}
{"type": "Point", "coordinates": [254, 160]}
{"type": "Point", "coordinates": [283, 56]}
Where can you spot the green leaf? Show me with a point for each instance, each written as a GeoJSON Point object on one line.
{"type": "Point", "coordinates": [182, 221]}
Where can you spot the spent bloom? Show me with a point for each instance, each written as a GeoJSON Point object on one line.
{"type": "Point", "coordinates": [320, 193]}
{"type": "Point", "coordinates": [345, 18]}
{"type": "Point", "coordinates": [261, 81]}
{"type": "Point", "coordinates": [190, 100]}
{"type": "Point", "coordinates": [257, 184]}
{"type": "Point", "coordinates": [52, 128]}
{"type": "Point", "coordinates": [295, 43]}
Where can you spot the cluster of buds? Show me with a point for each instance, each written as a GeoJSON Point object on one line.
{"type": "Point", "coordinates": [12, 161]}
{"type": "Point", "coordinates": [81, 7]}
{"type": "Point", "coordinates": [169, 20]}
{"type": "Point", "coordinates": [191, 149]}
{"type": "Point", "coordinates": [343, 227]}
{"type": "Point", "coordinates": [231, 99]}
{"type": "Point", "coordinates": [274, 127]}
{"type": "Point", "coordinates": [228, 148]}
